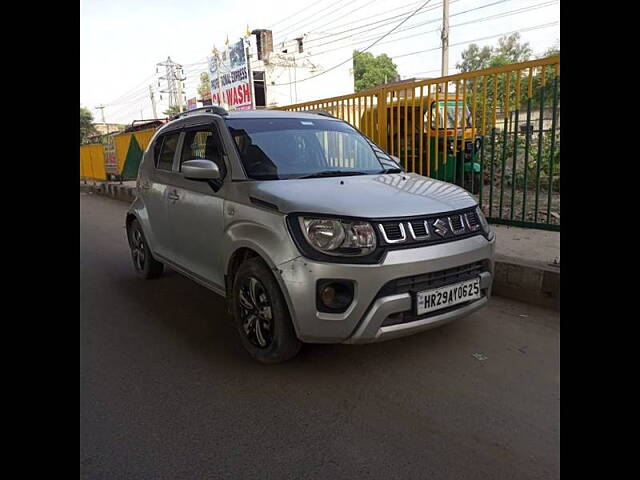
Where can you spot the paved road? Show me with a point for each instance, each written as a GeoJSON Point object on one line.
{"type": "Point", "coordinates": [167, 392]}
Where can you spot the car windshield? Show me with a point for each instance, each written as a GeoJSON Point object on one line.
{"type": "Point", "coordinates": [283, 148]}
{"type": "Point", "coordinates": [452, 122]}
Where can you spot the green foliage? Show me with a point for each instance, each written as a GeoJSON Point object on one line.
{"type": "Point", "coordinates": [550, 76]}
{"type": "Point", "coordinates": [86, 125]}
{"type": "Point", "coordinates": [508, 51]}
{"type": "Point", "coordinates": [474, 58]}
{"type": "Point", "coordinates": [370, 71]}
{"type": "Point", "coordinates": [205, 84]}
{"type": "Point", "coordinates": [171, 111]}
{"type": "Point", "coordinates": [543, 156]}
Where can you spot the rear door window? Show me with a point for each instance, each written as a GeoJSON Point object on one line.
{"type": "Point", "coordinates": [164, 160]}
{"type": "Point", "coordinates": [203, 143]}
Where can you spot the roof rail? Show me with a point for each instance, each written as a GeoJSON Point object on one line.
{"type": "Point", "coordinates": [321, 112]}
{"type": "Point", "coordinates": [209, 108]}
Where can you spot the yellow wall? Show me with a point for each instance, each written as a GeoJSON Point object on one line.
{"type": "Point", "coordinates": [122, 144]}
{"type": "Point", "coordinates": [122, 147]}
{"type": "Point", "coordinates": [92, 162]}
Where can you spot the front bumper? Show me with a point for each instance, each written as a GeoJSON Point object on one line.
{"type": "Point", "coordinates": [368, 317]}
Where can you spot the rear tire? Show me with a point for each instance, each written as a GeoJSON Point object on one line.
{"type": "Point", "coordinates": [261, 314]}
{"type": "Point", "coordinates": [145, 265]}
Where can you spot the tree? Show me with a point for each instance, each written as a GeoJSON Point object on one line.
{"type": "Point", "coordinates": [205, 84]}
{"type": "Point", "coordinates": [171, 111]}
{"type": "Point", "coordinates": [474, 58]}
{"type": "Point", "coordinates": [370, 71]}
{"type": "Point", "coordinates": [551, 84]}
{"type": "Point", "coordinates": [509, 50]}
{"type": "Point", "coordinates": [86, 125]}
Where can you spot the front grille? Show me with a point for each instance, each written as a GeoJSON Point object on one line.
{"type": "Point", "coordinates": [438, 228]}
{"type": "Point", "coordinates": [456, 223]}
{"type": "Point", "coordinates": [472, 220]}
{"type": "Point", "coordinates": [419, 228]}
{"type": "Point", "coordinates": [431, 280]}
{"type": "Point", "coordinates": [392, 230]}
{"type": "Point", "coordinates": [428, 281]}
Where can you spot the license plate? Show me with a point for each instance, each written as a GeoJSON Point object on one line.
{"type": "Point", "coordinates": [431, 300]}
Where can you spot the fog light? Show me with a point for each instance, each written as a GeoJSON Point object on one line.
{"type": "Point", "coordinates": [334, 296]}
{"type": "Point", "coordinates": [328, 295]}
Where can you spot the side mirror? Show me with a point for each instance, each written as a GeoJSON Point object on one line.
{"type": "Point", "coordinates": [200, 169]}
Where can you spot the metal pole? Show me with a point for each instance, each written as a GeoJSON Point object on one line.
{"type": "Point", "coordinates": [179, 79]}
{"type": "Point", "coordinates": [220, 93]}
{"type": "Point", "coordinates": [153, 102]}
{"type": "Point", "coordinates": [445, 38]}
{"type": "Point", "coordinates": [251, 86]}
{"type": "Point", "coordinates": [221, 101]}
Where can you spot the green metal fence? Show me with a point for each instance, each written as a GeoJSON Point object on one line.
{"type": "Point", "coordinates": [495, 132]}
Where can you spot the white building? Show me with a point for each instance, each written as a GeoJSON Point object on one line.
{"type": "Point", "coordinates": [296, 71]}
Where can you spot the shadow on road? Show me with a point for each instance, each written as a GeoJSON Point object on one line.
{"type": "Point", "coordinates": [198, 316]}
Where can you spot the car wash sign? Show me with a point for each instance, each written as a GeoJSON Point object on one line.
{"type": "Point", "coordinates": [229, 74]}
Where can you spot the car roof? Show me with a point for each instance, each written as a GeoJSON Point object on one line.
{"type": "Point", "coordinates": [275, 114]}
{"type": "Point", "coordinates": [195, 118]}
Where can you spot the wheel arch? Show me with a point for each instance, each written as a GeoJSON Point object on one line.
{"type": "Point", "coordinates": [244, 251]}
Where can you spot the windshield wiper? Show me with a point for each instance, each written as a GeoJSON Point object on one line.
{"type": "Point", "coordinates": [333, 173]}
{"type": "Point", "coordinates": [392, 170]}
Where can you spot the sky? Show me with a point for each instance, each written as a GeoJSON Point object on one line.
{"type": "Point", "coordinates": [122, 41]}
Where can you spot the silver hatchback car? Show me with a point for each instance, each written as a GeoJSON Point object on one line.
{"type": "Point", "coordinates": [311, 232]}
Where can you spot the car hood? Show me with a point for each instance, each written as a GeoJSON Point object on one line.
{"type": "Point", "coordinates": [367, 196]}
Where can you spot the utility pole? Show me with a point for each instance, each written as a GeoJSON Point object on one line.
{"type": "Point", "coordinates": [153, 102]}
{"type": "Point", "coordinates": [221, 101]}
{"type": "Point", "coordinates": [251, 87]}
{"type": "Point", "coordinates": [174, 79]}
{"type": "Point", "coordinates": [180, 79]}
{"type": "Point", "coordinates": [101, 108]}
{"type": "Point", "coordinates": [445, 38]}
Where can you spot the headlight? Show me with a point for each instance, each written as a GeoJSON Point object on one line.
{"type": "Point", "coordinates": [485, 225]}
{"type": "Point", "coordinates": [339, 237]}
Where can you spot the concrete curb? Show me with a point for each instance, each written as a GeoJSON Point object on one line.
{"type": "Point", "coordinates": [527, 282]}
{"type": "Point", "coordinates": [535, 284]}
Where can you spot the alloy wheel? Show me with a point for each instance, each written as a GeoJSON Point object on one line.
{"type": "Point", "coordinates": [138, 250]}
{"type": "Point", "coordinates": [255, 312]}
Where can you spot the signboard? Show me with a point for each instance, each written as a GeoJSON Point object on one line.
{"type": "Point", "coordinates": [192, 103]}
{"type": "Point", "coordinates": [110, 159]}
{"type": "Point", "coordinates": [232, 72]}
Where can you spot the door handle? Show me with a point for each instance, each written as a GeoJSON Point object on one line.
{"type": "Point", "coordinates": [173, 196]}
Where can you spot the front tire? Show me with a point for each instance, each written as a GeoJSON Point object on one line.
{"type": "Point", "coordinates": [261, 314]}
{"type": "Point", "coordinates": [145, 265]}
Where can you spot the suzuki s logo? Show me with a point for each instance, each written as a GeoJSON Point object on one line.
{"type": "Point", "coordinates": [440, 227]}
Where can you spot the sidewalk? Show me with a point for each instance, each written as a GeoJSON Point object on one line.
{"type": "Point", "coordinates": [527, 260]}
{"type": "Point", "coordinates": [528, 265]}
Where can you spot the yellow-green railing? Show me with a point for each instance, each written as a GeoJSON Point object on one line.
{"type": "Point", "coordinates": [500, 128]}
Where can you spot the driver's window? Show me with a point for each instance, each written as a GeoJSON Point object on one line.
{"type": "Point", "coordinates": [203, 144]}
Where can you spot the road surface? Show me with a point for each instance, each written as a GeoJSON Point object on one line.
{"type": "Point", "coordinates": [167, 392]}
